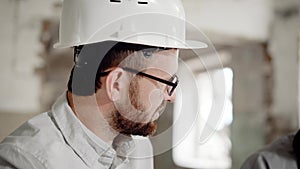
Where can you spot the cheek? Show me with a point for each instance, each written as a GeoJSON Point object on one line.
{"type": "Point", "coordinates": [155, 98]}
{"type": "Point", "coordinates": [151, 95]}
{"type": "Point", "coordinates": [138, 95]}
{"type": "Point", "coordinates": [144, 95]}
{"type": "Point", "coordinates": [146, 89]}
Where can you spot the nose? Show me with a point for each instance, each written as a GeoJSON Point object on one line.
{"type": "Point", "coordinates": [170, 99]}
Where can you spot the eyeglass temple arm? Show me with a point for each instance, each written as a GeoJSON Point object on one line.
{"type": "Point", "coordinates": [150, 76]}
{"type": "Point", "coordinates": [143, 74]}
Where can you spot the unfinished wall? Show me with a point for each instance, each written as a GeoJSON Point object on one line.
{"type": "Point", "coordinates": [20, 47]}
{"type": "Point", "coordinates": [283, 49]}
{"type": "Point", "coordinates": [21, 57]}
{"type": "Point", "coordinates": [248, 102]}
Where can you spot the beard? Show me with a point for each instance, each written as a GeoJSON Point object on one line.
{"type": "Point", "coordinates": [128, 127]}
{"type": "Point", "coordinates": [136, 122]}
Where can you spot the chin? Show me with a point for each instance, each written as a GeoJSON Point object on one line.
{"type": "Point", "coordinates": [128, 127]}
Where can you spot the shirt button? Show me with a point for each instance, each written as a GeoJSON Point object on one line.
{"type": "Point", "coordinates": [126, 161]}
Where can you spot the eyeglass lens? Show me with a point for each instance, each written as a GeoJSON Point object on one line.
{"type": "Point", "coordinates": [171, 89]}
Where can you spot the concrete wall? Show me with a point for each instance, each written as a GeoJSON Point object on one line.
{"type": "Point", "coordinates": [20, 47]}
{"type": "Point", "coordinates": [231, 21]}
{"type": "Point", "coordinates": [266, 103]}
{"type": "Point", "coordinates": [284, 50]}
{"type": "Point", "coordinates": [249, 113]}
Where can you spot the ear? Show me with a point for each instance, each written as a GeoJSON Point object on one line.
{"type": "Point", "coordinates": [114, 84]}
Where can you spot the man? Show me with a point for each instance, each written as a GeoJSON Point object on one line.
{"type": "Point", "coordinates": [124, 74]}
{"type": "Point", "coordinates": [282, 153]}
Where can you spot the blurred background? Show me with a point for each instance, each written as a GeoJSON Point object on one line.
{"type": "Point", "coordinates": [258, 45]}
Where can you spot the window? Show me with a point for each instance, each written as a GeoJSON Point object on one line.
{"type": "Point", "coordinates": [206, 143]}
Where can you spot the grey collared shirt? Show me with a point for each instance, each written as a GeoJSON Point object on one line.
{"type": "Point", "coordinates": [277, 155]}
{"type": "Point", "coordinates": [58, 140]}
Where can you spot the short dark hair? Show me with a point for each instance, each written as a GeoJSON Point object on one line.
{"type": "Point", "coordinates": [296, 147]}
{"type": "Point", "coordinates": [93, 59]}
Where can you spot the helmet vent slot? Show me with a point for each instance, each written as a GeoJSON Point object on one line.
{"type": "Point", "coordinates": [115, 1]}
{"type": "Point", "coordinates": [143, 2]}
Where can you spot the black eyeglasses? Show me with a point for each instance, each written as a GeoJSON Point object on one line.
{"type": "Point", "coordinates": [172, 83]}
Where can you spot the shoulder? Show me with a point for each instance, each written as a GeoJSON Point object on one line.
{"type": "Point", "coordinates": [268, 160]}
{"type": "Point", "coordinates": [12, 156]}
{"type": "Point", "coordinates": [32, 141]}
{"type": "Point", "coordinates": [281, 148]}
{"type": "Point", "coordinates": [38, 130]}
{"type": "Point", "coordinates": [278, 154]}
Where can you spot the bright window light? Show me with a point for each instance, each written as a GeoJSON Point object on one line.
{"type": "Point", "coordinates": [214, 153]}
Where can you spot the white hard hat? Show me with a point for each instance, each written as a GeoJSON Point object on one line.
{"type": "Point", "coordinates": [158, 23]}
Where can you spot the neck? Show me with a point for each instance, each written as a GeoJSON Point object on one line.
{"type": "Point", "coordinates": [92, 114]}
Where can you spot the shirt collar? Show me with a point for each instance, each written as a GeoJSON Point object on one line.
{"type": "Point", "coordinates": [86, 144]}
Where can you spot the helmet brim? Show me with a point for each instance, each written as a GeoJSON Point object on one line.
{"type": "Point", "coordinates": [189, 44]}
{"type": "Point", "coordinates": [192, 44]}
